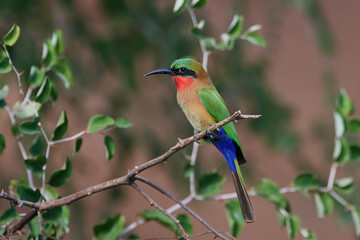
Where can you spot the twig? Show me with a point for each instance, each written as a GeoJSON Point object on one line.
{"type": "Point", "coordinates": [202, 45]}
{"type": "Point", "coordinates": [27, 96]}
{"type": "Point", "coordinates": [192, 164]}
{"type": "Point", "coordinates": [128, 178]}
{"type": "Point", "coordinates": [18, 75]}
{"type": "Point", "coordinates": [172, 197]}
{"type": "Point", "coordinates": [302, 230]}
{"type": "Point", "coordinates": [332, 175]}
{"type": "Point", "coordinates": [156, 205]}
{"type": "Point", "coordinates": [17, 201]}
{"type": "Point", "coordinates": [74, 137]}
{"type": "Point", "coordinates": [21, 146]}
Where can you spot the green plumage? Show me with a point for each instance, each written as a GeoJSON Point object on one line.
{"type": "Point", "coordinates": [214, 103]}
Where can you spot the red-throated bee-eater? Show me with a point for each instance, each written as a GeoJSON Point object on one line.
{"type": "Point", "coordinates": [203, 107]}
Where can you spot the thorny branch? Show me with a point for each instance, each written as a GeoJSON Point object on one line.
{"type": "Point", "coordinates": [156, 205]}
{"type": "Point", "coordinates": [124, 180]}
{"type": "Point", "coordinates": [172, 197]}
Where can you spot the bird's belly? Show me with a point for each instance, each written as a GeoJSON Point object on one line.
{"type": "Point", "coordinates": [197, 115]}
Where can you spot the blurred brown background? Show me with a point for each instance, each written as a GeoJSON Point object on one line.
{"type": "Point", "coordinates": [312, 52]}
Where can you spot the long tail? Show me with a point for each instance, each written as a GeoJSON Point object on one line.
{"type": "Point", "coordinates": [234, 156]}
{"type": "Point", "coordinates": [245, 204]}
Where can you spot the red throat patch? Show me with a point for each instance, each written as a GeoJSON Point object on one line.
{"type": "Point", "coordinates": [182, 82]}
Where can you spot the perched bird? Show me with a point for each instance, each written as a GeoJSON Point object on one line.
{"type": "Point", "coordinates": [203, 107]}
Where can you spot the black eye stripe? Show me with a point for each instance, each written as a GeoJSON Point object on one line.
{"type": "Point", "coordinates": [183, 71]}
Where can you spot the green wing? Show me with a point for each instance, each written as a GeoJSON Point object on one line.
{"type": "Point", "coordinates": [215, 105]}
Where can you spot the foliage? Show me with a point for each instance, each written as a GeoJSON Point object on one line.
{"type": "Point", "coordinates": [42, 91]}
{"type": "Point", "coordinates": [26, 120]}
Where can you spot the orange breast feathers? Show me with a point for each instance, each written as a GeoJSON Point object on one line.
{"type": "Point", "coordinates": [182, 82]}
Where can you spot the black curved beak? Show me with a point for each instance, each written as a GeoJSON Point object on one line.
{"type": "Point", "coordinates": [167, 71]}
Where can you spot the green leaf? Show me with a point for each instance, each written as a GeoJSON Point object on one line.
{"type": "Point", "coordinates": [50, 194]}
{"type": "Point", "coordinates": [57, 42]}
{"type": "Point", "coordinates": [236, 26]}
{"type": "Point", "coordinates": [36, 165]}
{"type": "Point", "coordinates": [198, 3]}
{"type": "Point", "coordinates": [196, 31]}
{"type": "Point", "coordinates": [355, 214]}
{"type": "Point", "coordinates": [254, 28]}
{"type": "Point", "coordinates": [133, 237]}
{"type": "Point", "coordinates": [37, 147]}
{"type": "Point", "coordinates": [43, 94]}
{"type": "Point", "coordinates": [345, 185]}
{"type": "Point", "coordinates": [12, 36]}
{"type": "Point", "coordinates": [281, 218]}
{"type": "Point", "coordinates": [34, 227]}
{"type": "Point", "coordinates": [306, 182]}
{"type": "Point", "coordinates": [227, 42]}
{"type": "Point", "coordinates": [353, 125]}
{"type": "Point", "coordinates": [48, 55]}
{"type": "Point", "coordinates": [8, 216]}
{"type": "Point", "coordinates": [27, 194]}
{"type": "Point", "coordinates": [209, 43]}
{"type": "Point", "coordinates": [210, 183]}
{"type": "Point", "coordinates": [36, 76]}
{"type": "Point", "coordinates": [324, 204]}
{"type": "Point", "coordinates": [24, 111]}
{"type": "Point", "coordinates": [355, 152]}
{"type": "Point", "coordinates": [2, 144]}
{"type": "Point", "coordinates": [270, 191]}
{"type": "Point", "coordinates": [123, 123]}
{"type": "Point", "coordinates": [339, 122]}
{"type": "Point", "coordinates": [234, 217]}
{"type": "Point", "coordinates": [16, 182]}
{"type": "Point", "coordinates": [110, 228]}
{"type": "Point", "coordinates": [161, 218]}
{"type": "Point", "coordinates": [15, 130]}
{"type": "Point", "coordinates": [341, 151]}
{"type": "Point", "coordinates": [2, 54]}
{"type": "Point", "coordinates": [109, 147]}
{"type": "Point", "coordinates": [49, 229]}
{"type": "Point", "coordinates": [64, 219]}
{"type": "Point", "coordinates": [62, 70]}
{"type": "Point", "coordinates": [77, 146]}
{"type": "Point", "coordinates": [344, 105]}
{"type": "Point", "coordinates": [310, 235]}
{"type": "Point", "coordinates": [5, 66]}
{"type": "Point", "coordinates": [2, 230]}
{"type": "Point", "coordinates": [4, 92]}
{"type": "Point", "coordinates": [99, 122]}
{"type": "Point", "coordinates": [61, 127]}
{"type": "Point", "coordinates": [2, 103]}
{"type": "Point", "coordinates": [292, 226]}
{"type": "Point", "coordinates": [201, 24]}
{"type": "Point", "coordinates": [185, 222]}
{"type": "Point", "coordinates": [179, 6]}
{"type": "Point", "coordinates": [60, 177]}
{"type": "Point", "coordinates": [187, 170]}
{"type": "Point", "coordinates": [29, 127]}
{"type": "Point", "coordinates": [256, 39]}
{"type": "Point", "coordinates": [53, 92]}
{"type": "Point", "coordinates": [52, 215]}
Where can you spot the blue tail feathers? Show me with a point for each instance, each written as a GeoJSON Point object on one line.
{"type": "Point", "coordinates": [228, 147]}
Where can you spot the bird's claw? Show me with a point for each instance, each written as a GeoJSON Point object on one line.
{"type": "Point", "coordinates": [196, 139]}
{"type": "Point", "coordinates": [209, 134]}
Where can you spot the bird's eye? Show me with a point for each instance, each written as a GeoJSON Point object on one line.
{"type": "Point", "coordinates": [182, 70]}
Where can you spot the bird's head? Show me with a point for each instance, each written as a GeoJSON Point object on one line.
{"type": "Point", "coordinates": [183, 71]}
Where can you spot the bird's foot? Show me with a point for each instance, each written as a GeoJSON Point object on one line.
{"type": "Point", "coordinates": [210, 135]}
{"type": "Point", "coordinates": [196, 139]}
